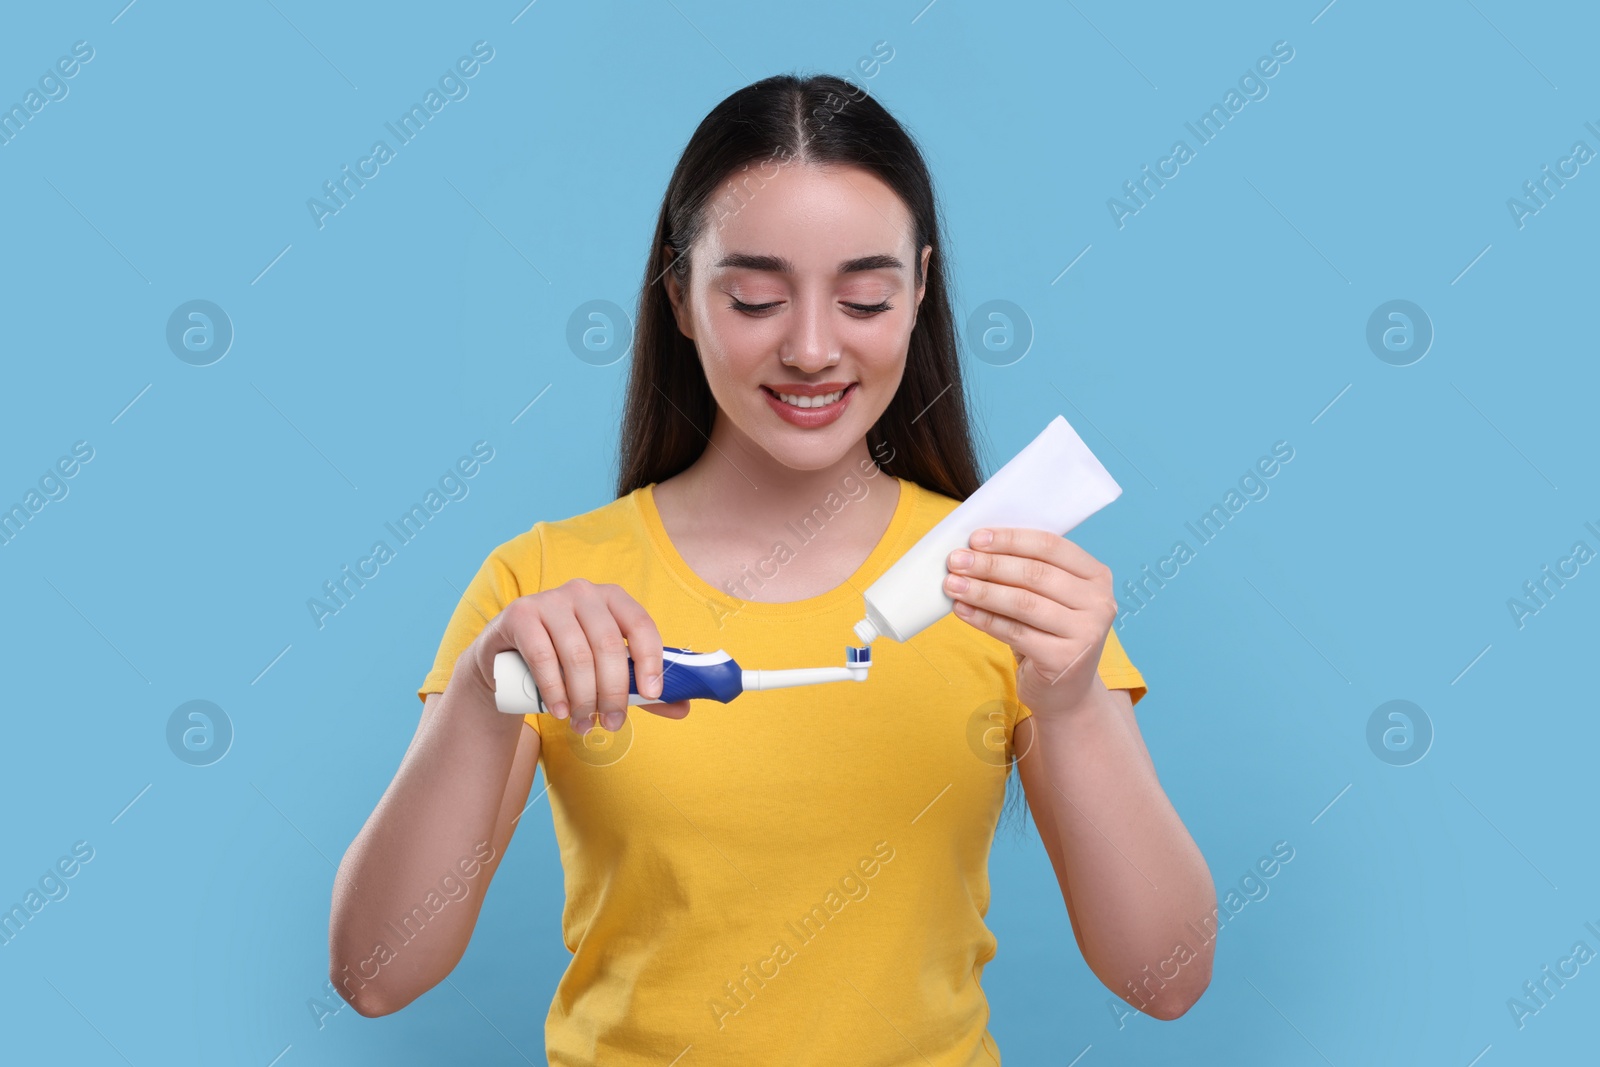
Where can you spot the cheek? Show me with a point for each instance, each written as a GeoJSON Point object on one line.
{"type": "Point", "coordinates": [733, 354]}
{"type": "Point", "coordinates": [882, 348]}
{"type": "Point", "coordinates": [886, 335]}
{"type": "Point", "coordinates": [732, 333]}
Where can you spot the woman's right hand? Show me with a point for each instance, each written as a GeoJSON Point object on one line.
{"type": "Point", "coordinates": [572, 638]}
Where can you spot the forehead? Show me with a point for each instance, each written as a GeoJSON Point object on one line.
{"type": "Point", "coordinates": [813, 216]}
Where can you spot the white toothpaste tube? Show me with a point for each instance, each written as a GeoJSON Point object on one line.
{"type": "Point", "coordinates": [1052, 484]}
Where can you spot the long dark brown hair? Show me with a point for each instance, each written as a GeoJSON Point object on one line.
{"type": "Point", "coordinates": [825, 120]}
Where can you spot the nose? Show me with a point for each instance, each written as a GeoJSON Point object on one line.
{"type": "Point", "coordinates": [809, 345]}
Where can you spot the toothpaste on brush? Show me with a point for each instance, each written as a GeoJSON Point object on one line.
{"type": "Point", "coordinates": [1052, 484]}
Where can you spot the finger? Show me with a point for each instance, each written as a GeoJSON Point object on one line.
{"type": "Point", "coordinates": [1024, 572]}
{"type": "Point", "coordinates": [1028, 643]}
{"type": "Point", "coordinates": [1094, 596]}
{"type": "Point", "coordinates": [577, 658]}
{"type": "Point", "coordinates": [1024, 606]}
{"type": "Point", "coordinates": [610, 658]}
{"type": "Point", "coordinates": [1041, 544]}
{"type": "Point", "coordinates": [539, 653]}
{"type": "Point", "coordinates": [1062, 586]}
{"type": "Point", "coordinates": [1025, 640]}
{"type": "Point", "coordinates": [675, 710]}
{"type": "Point", "coordinates": [644, 640]}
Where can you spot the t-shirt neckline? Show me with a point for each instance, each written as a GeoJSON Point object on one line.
{"type": "Point", "coordinates": [854, 586]}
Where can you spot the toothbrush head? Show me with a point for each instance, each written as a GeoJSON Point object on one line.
{"type": "Point", "coordinates": [857, 658]}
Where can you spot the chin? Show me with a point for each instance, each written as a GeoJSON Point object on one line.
{"type": "Point", "coordinates": [803, 449]}
{"type": "Point", "coordinates": [812, 454]}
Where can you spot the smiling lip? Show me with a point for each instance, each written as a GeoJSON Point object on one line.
{"type": "Point", "coordinates": [809, 417]}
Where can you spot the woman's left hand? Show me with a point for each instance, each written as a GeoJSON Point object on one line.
{"type": "Point", "coordinates": [1044, 596]}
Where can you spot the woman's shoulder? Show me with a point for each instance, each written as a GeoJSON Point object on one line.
{"type": "Point", "coordinates": [596, 527]}
{"type": "Point", "coordinates": [932, 495]}
{"type": "Point", "coordinates": [931, 505]}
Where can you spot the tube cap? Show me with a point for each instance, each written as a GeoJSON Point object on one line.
{"type": "Point", "coordinates": [866, 631]}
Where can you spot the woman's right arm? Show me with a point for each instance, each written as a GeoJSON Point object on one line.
{"type": "Point", "coordinates": [453, 804]}
{"type": "Point", "coordinates": [463, 780]}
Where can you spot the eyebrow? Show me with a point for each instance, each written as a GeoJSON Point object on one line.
{"type": "Point", "coordinates": [780, 265]}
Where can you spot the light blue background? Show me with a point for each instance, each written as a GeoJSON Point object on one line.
{"type": "Point", "coordinates": [1225, 316]}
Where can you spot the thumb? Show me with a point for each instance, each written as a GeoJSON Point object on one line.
{"type": "Point", "coordinates": [677, 709]}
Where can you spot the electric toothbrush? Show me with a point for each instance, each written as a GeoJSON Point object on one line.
{"type": "Point", "coordinates": [686, 675]}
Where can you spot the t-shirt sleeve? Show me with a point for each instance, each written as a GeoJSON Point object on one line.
{"type": "Point", "coordinates": [1117, 670]}
{"type": "Point", "coordinates": [513, 569]}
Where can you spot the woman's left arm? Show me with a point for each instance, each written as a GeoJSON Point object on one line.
{"type": "Point", "coordinates": [1132, 878]}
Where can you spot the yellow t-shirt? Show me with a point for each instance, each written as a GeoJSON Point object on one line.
{"type": "Point", "coordinates": [799, 876]}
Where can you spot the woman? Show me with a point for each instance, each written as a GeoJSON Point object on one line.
{"type": "Point", "coordinates": [799, 876]}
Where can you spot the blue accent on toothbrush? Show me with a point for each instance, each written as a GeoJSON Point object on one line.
{"type": "Point", "coordinates": [719, 680]}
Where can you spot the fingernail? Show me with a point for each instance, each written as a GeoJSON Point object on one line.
{"type": "Point", "coordinates": [559, 709]}
{"type": "Point", "coordinates": [981, 537]}
{"type": "Point", "coordinates": [956, 582]}
{"type": "Point", "coordinates": [612, 720]}
{"type": "Point", "coordinates": [961, 558]}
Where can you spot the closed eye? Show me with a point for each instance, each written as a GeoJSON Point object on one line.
{"type": "Point", "coordinates": [740, 305]}
{"type": "Point", "coordinates": [867, 309]}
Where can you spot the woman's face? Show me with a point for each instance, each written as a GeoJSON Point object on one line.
{"type": "Point", "coordinates": [801, 286]}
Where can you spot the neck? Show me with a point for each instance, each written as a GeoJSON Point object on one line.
{"type": "Point", "coordinates": [738, 483]}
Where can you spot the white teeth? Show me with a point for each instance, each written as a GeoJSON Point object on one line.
{"type": "Point", "coordinates": [810, 401]}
